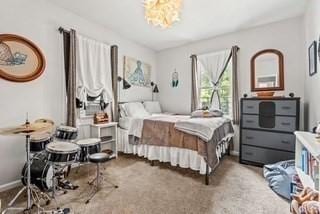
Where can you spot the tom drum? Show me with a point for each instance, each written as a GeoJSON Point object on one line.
{"type": "Point", "coordinates": [66, 133]}
{"type": "Point", "coordinates": [88, 147]}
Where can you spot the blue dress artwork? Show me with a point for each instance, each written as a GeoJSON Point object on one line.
{"type": "Point", "coordinates": [137, 78]}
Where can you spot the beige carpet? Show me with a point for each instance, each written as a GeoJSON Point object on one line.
{"type": "Point", "coordinates": [234, 189]}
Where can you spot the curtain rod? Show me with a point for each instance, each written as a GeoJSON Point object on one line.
{"type": "Point", "coordinates": [199, 54]}
{"type": "Point", "coordinates": [62, 30]}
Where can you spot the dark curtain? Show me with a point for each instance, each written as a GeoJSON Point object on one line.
{"type": "Point", "coordinates": [194, 82]}
{"type": "Point", "coordinates": [114, 72]}
{"type": "Point", "coordinates": [69, 43]}
{"type": "Point", "coordinates": [235, 83]}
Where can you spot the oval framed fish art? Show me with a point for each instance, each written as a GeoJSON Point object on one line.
{"type": "Point", "coordinates": [20, 59]}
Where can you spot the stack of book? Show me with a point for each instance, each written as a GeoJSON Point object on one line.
{"type": "Point", "coordinates": [296, 186]}
{"type": "Point", "coordinates": [309, 165]}
{"type": "Point", "coordinates": [106, 138]}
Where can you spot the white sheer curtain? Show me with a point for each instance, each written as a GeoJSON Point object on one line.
{"type": "Point", "coordinates": [214, 64]}
{"type": "Point", "coordinates": [94, 76]}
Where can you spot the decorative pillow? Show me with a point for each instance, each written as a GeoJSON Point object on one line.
{"type": "Point", "coordinates": [152, 107]}
{"type": "Point", "coordinates": [206, 113]}
{"type": "Point", "coordinates": [216, 112]}
{"type": "Point", "coordinates": [135, 109]}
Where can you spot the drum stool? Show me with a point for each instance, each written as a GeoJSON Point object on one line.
{"type": "Point", "coordinates": [97, 159]}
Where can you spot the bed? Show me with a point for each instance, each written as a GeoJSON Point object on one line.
{"type": "Point", "coordinates": [195, 143]}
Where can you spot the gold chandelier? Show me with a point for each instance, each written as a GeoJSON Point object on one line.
{"type": "Point", "coordinates": [162, 13]}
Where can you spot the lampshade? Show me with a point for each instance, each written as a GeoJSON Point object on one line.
{"type": "Point", "coordinates": [162, 12]}
{"type": "Point", "coordinates": [125, 84]}
{"type": "Point", "coordinates": [155, 89]}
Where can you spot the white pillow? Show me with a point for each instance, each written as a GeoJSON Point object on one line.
{"type": "Point", "coordinates": [152, 107]}
{"type": "Point", "coordinates": [122, 109]}
{"type": "Point", "coordinates": [135, 110]}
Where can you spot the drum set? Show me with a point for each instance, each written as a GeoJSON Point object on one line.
{"type": "Point", "coordinates": [50, 155]}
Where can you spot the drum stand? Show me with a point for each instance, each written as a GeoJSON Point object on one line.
{"type": "Point", "coordinates": [57, 171]}
{"type": "Point", "coordinates": [33, 193]}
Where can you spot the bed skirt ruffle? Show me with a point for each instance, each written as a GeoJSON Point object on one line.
{"type": "Point", "coordinates": [183, 158]}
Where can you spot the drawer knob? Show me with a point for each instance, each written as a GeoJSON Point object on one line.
{"type": "Point", "coordinates": [285, 124]}
{"type": "Point", "coordinates": [249, 138]}
{"type": "Point", "coordinates": [248, 153]}
{"type": "Point", "coordinates": [250, 107]}
{"type": "Point", "coordinates": [249, 121]}
{"type": "Point", "coordinates": [285, 142]}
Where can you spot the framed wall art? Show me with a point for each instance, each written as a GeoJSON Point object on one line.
{"type": "Point", "coordinates": [319, 49]}
{"type": "Point", "coordinates": [20, 59]}
{"type": "Point", "coordinates": [313, 58]}
{"type": "Point", "coordinates": [136, 72]}
{"type": "Point", "coordinates": [175, 79]}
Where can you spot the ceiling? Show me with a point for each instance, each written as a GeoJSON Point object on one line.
{"type": "Point", "coordinates": [200, 19]}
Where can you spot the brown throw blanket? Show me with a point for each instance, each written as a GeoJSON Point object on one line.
{"type": "Point", "coordinates": [159, 132]}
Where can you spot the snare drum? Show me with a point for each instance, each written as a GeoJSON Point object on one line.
{"type": "Point", "coordinates": [38, 142]}
{"type": "Point", "coordinates": [88, 147]}
{"type": "Point", "coordinates": [62, 153]}
{"type": "Point", "coordinates": [66, 133]}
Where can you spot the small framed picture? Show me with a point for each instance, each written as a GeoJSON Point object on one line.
{"type": "Point", "coordinates": [319, 49]}
{"type": "Point", "coordinates": [313, 58]}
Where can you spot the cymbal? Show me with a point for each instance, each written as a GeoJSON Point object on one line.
{"type": "Point", "coordinates": [27, 129]}
{"type": "Point", "coordinates": [44, 120]}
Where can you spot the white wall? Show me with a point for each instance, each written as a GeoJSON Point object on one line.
{"type": "Point", "coordinates": [39, 21]}
{"type": "Point", "coordinates": [285, 36]}
{"type": "Point", "coordinates": [312, 89]}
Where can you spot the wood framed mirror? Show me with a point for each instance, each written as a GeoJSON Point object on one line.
{"type": "Point", "coordinates": [267, 71]}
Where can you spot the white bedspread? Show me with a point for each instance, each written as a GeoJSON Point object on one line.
{"type": "Point", "coordinates": [136, 125]}
{"type": "Point", "coordinates": [201, 127]}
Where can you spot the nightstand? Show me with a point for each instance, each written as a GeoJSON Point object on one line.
{"type": "Point", "coordinates": [107, 132]}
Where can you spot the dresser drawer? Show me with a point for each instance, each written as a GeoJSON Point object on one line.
{"type": "Point", "coordinates": [286, 124]}
{"type": "Point", "coordinates": [268, 139]}
{"type": "Point", "coordinates": [250, 107]}
{"type": "Point", "coordinates": [264, 156]}
{"type": "Point", "coordinates": [286, 107]}
{"type": "Point", "coordinates": [283, 107]}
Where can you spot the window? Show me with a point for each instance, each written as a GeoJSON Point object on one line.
{"type": "Point", "coordinates": [93, 105]}
{"type": "Point", "coordinates": [224, 88]}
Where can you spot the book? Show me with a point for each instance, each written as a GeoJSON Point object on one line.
{"type": "Point", "coordinates": [310, 166]}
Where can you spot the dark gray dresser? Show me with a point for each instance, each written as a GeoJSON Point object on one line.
{"type": "Point", "coordinates": [266, 129]}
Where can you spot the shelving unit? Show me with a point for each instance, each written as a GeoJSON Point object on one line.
{"type": "Point", "coordinates": [306, 140]}
{"type": "Point", "coordinates": [107, 132]}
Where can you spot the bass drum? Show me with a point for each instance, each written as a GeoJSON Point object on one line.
{"type": "Point", "coordinates": [41, 172]}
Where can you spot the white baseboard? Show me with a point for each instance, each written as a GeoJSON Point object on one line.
{"type": "Point", "coordinates": [234, 153]}
{"type": "Point", "coordinates": [10, 185]}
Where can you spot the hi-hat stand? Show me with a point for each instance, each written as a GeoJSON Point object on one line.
{"type": "Point", "coordinates": [33, 193]}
